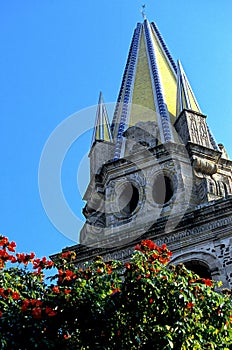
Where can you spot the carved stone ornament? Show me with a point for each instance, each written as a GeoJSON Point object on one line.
{"type": "Point", "coordinates": [203, 166]}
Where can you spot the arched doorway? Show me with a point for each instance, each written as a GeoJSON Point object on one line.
{"type": "Point", "coordinates": [205, 264]}
{"type": "Point", "coordinates": [198, 267]}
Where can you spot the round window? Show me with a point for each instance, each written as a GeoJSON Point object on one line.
{"type": "Point", "coordinates": [162, 189]}
{"type": "Point", "coordinates": [127, 199]}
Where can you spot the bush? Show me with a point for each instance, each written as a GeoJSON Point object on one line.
{"type": "Point", "coordinates": [145, 303]}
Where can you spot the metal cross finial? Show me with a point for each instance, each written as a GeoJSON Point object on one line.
{"type": "Point", "coordinates": [143, 11]}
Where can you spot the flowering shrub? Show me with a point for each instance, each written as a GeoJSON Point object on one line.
{"type": "Point", "coordinates": [144, 303]}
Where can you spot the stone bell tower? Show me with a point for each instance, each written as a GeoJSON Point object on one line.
{"type": "Point", "coordinates": [156, 170]}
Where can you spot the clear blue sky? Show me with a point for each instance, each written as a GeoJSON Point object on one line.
{"type": "Point", "coordinates": [55, 57]}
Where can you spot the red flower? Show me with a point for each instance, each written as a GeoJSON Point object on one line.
{"type": "Point", "coordinates": [4, 292]}
{"type": "Point", "coordinates": [69, 275]}
{"type": "Point", "coordinates": [13, 259]}
{"type": "Point", "coordinates": [15, 295]}
{"type": "Point", "coordinates": [4, 255]}
{"type": "Point", "coordinates": [67, 336]}
{"type": "Point", "coordinates": [44, 259]}
{"type": "Point", "coordinates": [65, 255]}
{"type": "Point", "coordinates": [138, 247]}
{"type": "Point", "coordinates": [155, 256]}
{"type": "Point", "coordinates": [163, 260]}
{"type": "Point", "coordinates": [109, 268]}
{"type": "Point", "coordinates": [151, 245]}
{"type": "Point", "coordinates": [50, 312]}
{"type": "Point", "coordinates": [42, 263]}
{"type": "Point", "coordinates": [115, 290]}
{"type": "Point", "coordinates": [22, 258]}
{"type": "Point", "coordinates": [127, 265]}
{"type": "Point", "coordinates": [56, 289]}
{"type": "Point", "coordinates": [68, 255]}
{"type": "Point", "coordinates": [36, 302]}
{"type": "Point", "coordinates": [207, 282]}
{"type": "Point", "coordinates": [37, 312]}
{"type": "Point", "coordinates": [60, 275]}
{"type": "Point", "coordinates": [4, 241]}
{"type": "Point", "coordinates": [67, 291]}
{"type": "Point", "coordinates": [31, 302]}
{"type": "Point", "coordinates": [49, 264]}
{"type": "Point", "coordinates": [1, 313]}
{"type": "Point", "coordinates": [36, 263]}
{"type": "Point", "coordinates": [32, 255]}
{"type": "Point", "coordinates": [11, 246]}
{"type": "Point", "coordinates": [151, 300]}
{"type": "Point", "coordinates": [190, 305]}
{"type": "Point", "coordinates": [25, 305]}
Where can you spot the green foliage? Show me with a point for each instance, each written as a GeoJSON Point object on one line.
{"type": "Point", "coordinates": [145, 303]}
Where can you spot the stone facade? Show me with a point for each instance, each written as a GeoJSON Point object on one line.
{"type": "Point", "coordinates": [191, 212]}
{"type": "Point", "coordinates": [203, 237]}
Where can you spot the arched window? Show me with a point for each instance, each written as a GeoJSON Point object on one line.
{"type": "Point", "coordinates": [198, 267]}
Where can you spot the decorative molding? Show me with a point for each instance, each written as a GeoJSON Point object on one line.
{"type": "Point", "coordinates": [174, 237]}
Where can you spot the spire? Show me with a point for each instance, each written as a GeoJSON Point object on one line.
{"type": "Point", "coordinates": [101, 130]}
{"type": "Point", "coordinates": [149, 81]}
{"type": "Point", "coordinates": [152, 80]}
{"type": "Point", "coordinates": [185, 99]}
{"type": "Point", "coordinates": [185, 95]}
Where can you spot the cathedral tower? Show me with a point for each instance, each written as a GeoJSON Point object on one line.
{"type": "Point", "coordinates": [156, 170]}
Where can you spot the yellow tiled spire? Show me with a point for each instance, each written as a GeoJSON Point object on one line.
{"type": "Point", "coordinates": [101, 130]}
{"type": "Point", "coordinates": [185, 95]}
{"type": "Point", "coordinates": [150, 80]}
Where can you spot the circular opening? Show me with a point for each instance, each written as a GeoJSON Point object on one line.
{"type": "Point", "coordinates": [128, 199]}
{"type": "Point", "coordinates": [162, 189]}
